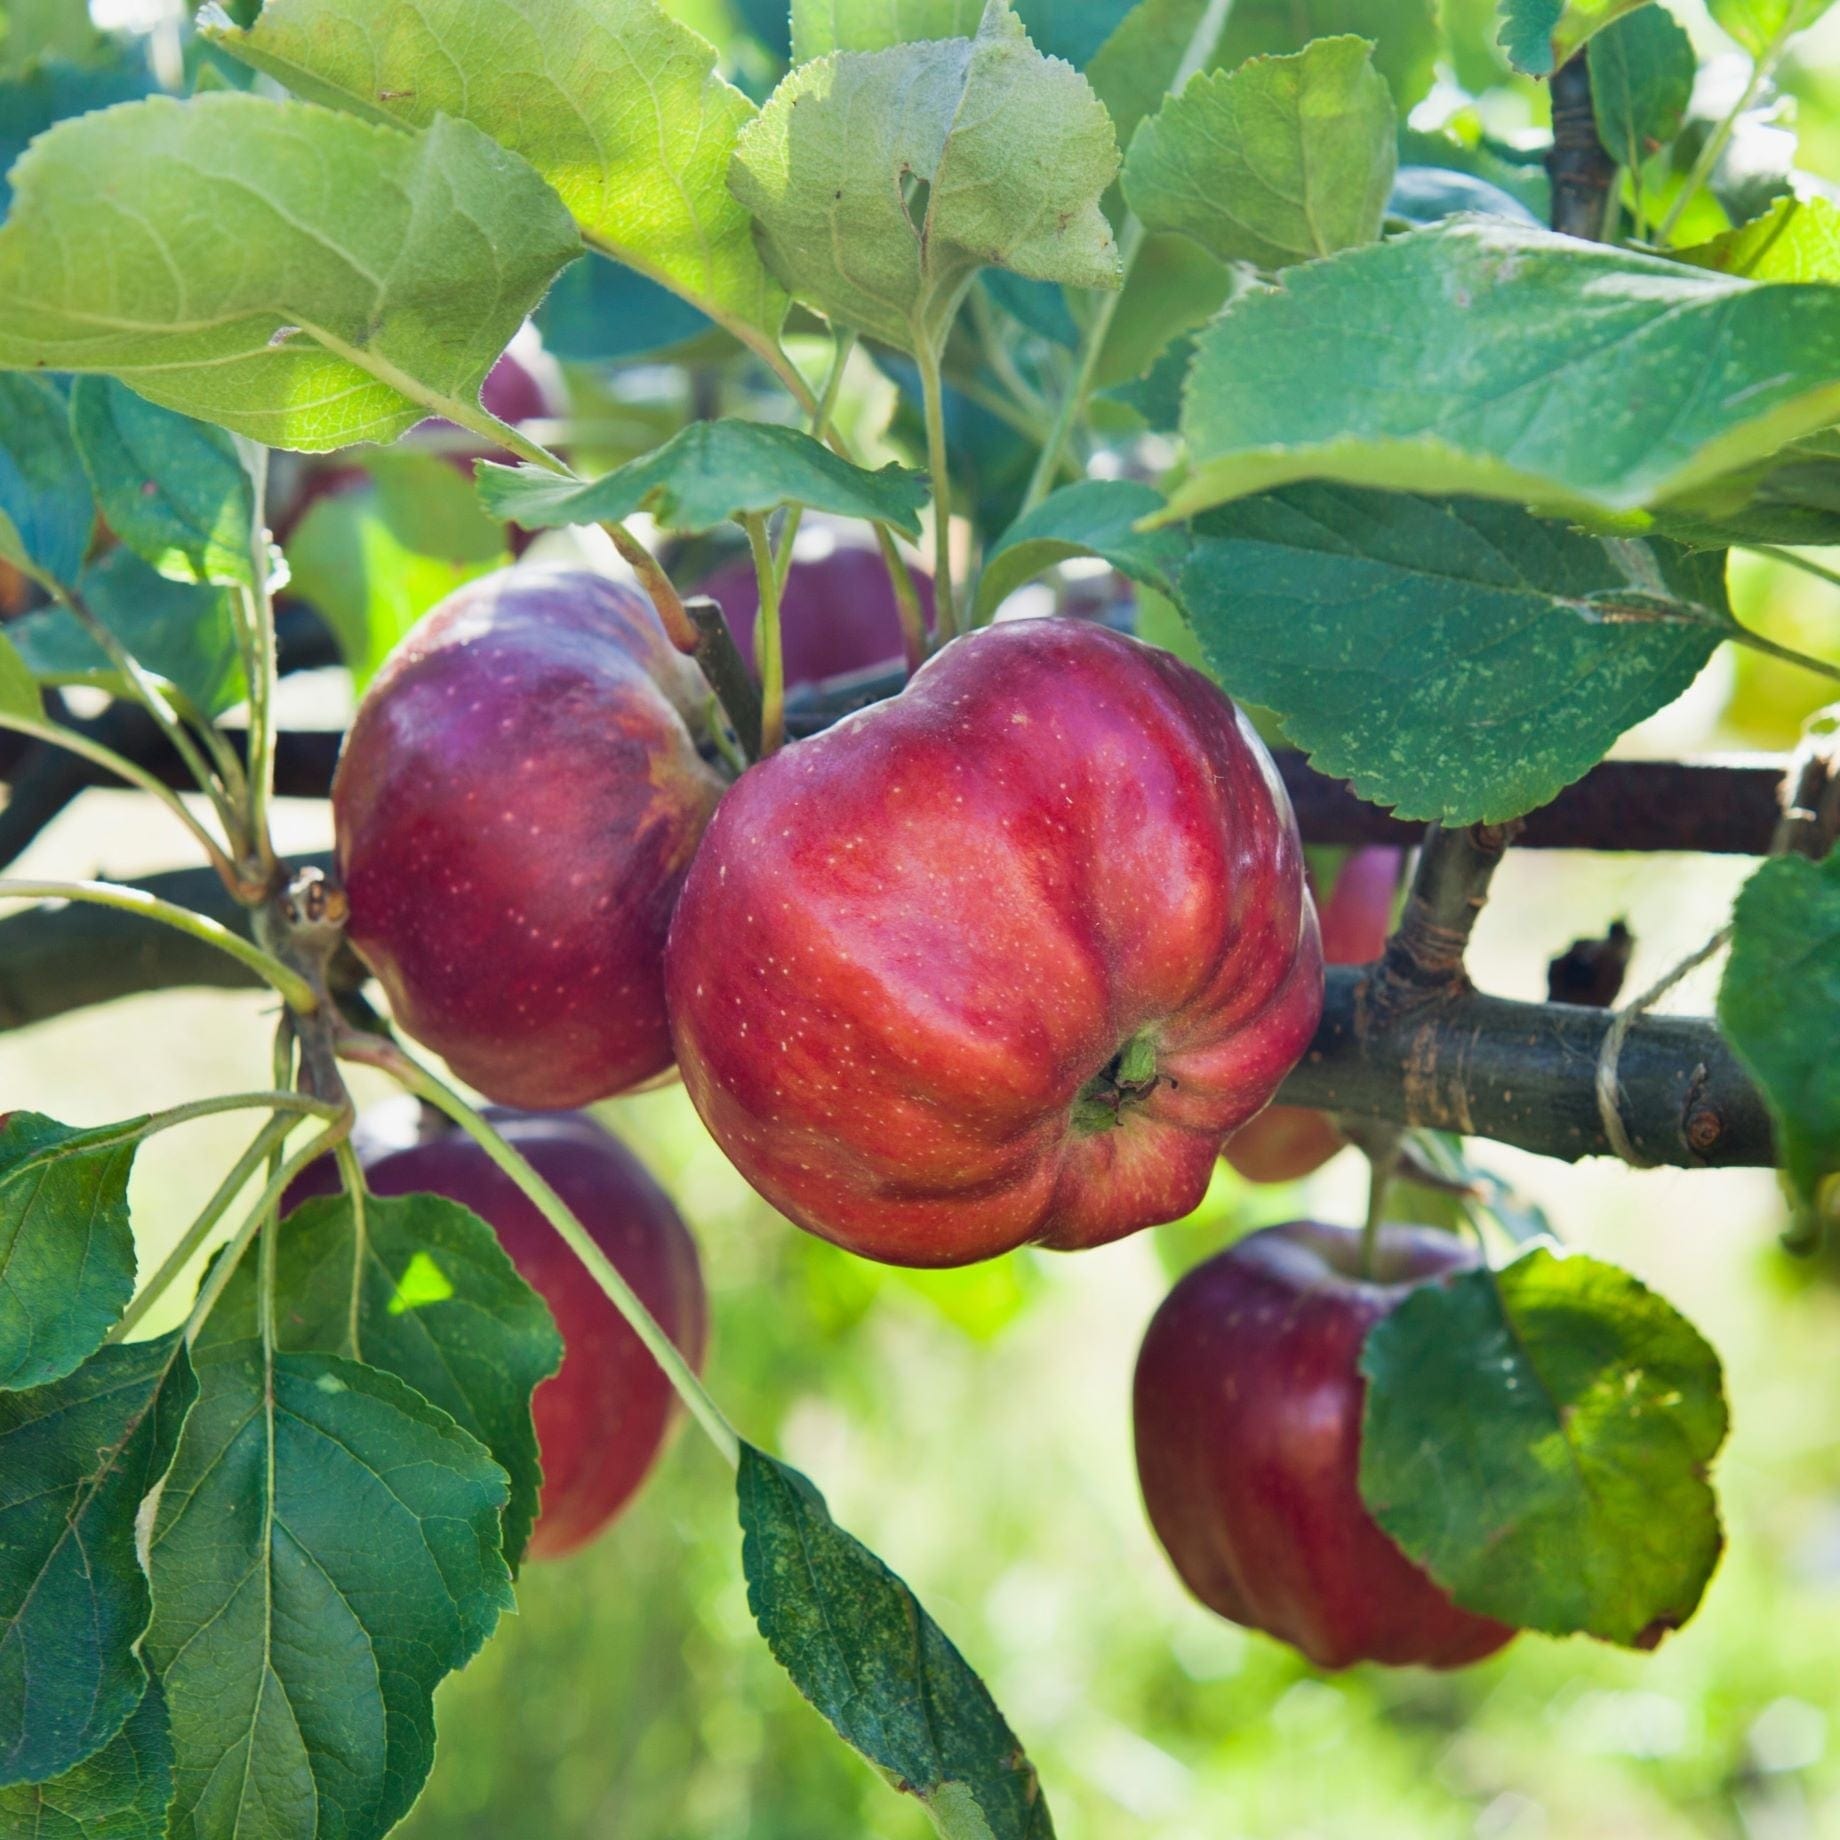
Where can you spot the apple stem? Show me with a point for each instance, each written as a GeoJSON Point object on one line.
{"type": "Point", "coordinates": [768, 650]}
{"type": "Point", "coordinates": [383, 1054]}
{"type": "Point", "coordinates": [1383, 1164]}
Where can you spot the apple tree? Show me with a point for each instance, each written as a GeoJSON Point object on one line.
{"type": "Point", "coordinates": [1399, 461]}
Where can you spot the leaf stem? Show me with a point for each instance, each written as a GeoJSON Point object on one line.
{"type": "Point", "coordinates": [387, 1057]}
{"type": "Point", "coordinates": [768, 652]}
{"type": "Point", "coordinates": [1715, 142]}
{"type": "Point", "coordinates": [75, 742]}
{"type": "Point", "coordinates": [271, 1136]}
{"type": "Point", "coordinates": [1203, 42]}
{"type": "Point", "coordinates": [260, 667]}
{"type": "Point", "coordinates": [938, 460]}
{"type": "Point", "coordinates": [1742, 635]}
{"type": "Point", "coordinates": [293, 988]}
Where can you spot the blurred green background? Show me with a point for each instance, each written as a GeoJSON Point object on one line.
{"type": "Point", "coordinates": [973, 1428]}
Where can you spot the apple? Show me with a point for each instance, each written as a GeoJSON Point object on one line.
{"type": "Point", "coordinates": [1284, 1143]}
{"type": "Point", "coordinates": [838, 616]}
{"type": "Point", "coordinates": [1248, 1420]}
{"type": "Point", "coordinates": [1002, 959]}
{"type": "Point", "coordinates": [514, 810]}
{"type": "Point", "coordinates": [602, 1419]}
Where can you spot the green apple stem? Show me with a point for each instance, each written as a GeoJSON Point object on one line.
{"type": "Point", "coordinates": [938, 460]}
{"type": "Point", "coordinates": [293, 988]}
{"type": "Point", "coordinates": [769, 653]}
{"type": "Point", "coordinates": [383, 1054]}
{"type": "Point", "coordinates": [1383, 1164]}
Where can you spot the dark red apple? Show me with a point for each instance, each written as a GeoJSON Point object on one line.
{"type": "Point", "coordinates": [1248, 1418]}
{"type": "Point", "coordinates": [838, 616]}
{"type": "Point", "coordinates": [1002, 959]}
{"type": "Point", "coordinates": [603, 1418]}
{"type": "Point", "coordinates": [515, 808]}
{"type": "Point", "coordinates": [1287, 1142]}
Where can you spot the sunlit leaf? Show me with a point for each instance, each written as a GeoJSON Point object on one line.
{"type": "Point", "coordinates": [1797, 239]}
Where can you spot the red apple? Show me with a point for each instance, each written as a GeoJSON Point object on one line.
{"type": "Point", "coordinates": [603, 1418]}
{"type": "Point", "coordinates": [1002, 959]}
{"type": "Point", "coordinates": [1287, 1142]}
{"type": "Point", "coordinates": [838, 616]}
{"type": "Point", "coordinates": [1248, 1417]}
{"type": "Point", "coordinates": [515, 808]}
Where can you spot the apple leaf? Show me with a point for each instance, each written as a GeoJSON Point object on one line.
{"type": "Point", "coordinates": [438, 1303]}
{"type": "Point", "coordinates": [289, 273]}
{"type": "Point", "coordinates": [617, 104]}
{"type": "Point", "coordinates": [1488, 357]}
{"type": "Point", "coordinates": [883, 181]}
{"type": "Point", "coordinates": [1796, 239]}
{"type": "Point", "coordinates": [120, 1793]}
{"type": "Point", "coordinates": [326, 1549]}
{"type": "Point", "coordinates": [66, 1248]}
{"type": "Point", "coordinates": [705, 474]}
{"type": "Point", "coordinates": [371, 562]}
{"type": "Point", "coordinates": [55, 89]}
{"type": "Point", "coordinates": [77, 1459]}
{"type": "Point", "coordinates": [1377, 625]}
{"type": "Point", "coordinates": [1096, 517]}
{"type": "Point", "coordinates": [46, 509]}
{"type": "Point", "coordinates": [19, 690]}
{"type": "Point", "coordinates": [600, 312]}
{"type": "Point", "coordinates": [185, 634]}
{"type": "Point", "coordinates": [1537, 1438]}
{"type": "Point", "coordinates": [1540, 35]}
{"type": "Point", "coordinates": [1759, 25]}
{"type": "Point", "coordinates": [31, 30]}
{"type": "Point", "coordinates": [1780, 1005]}
{"type": "Point", "coordinates": [860, 1647]}
{"type": "Point", "coordinates": [820, 27]}
{"type": "Point", "coordinates": [1642, 71]}
{"type": "Point", "coordinates": [174, 490]}
{"type": "Point", "coordinates": [1282, 161]}
{"type": "Point", "coordinates": [1793, 497]}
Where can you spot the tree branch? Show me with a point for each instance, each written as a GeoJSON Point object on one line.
{"type": "Point", "coordinates": [1580, 169]}
{"type": "Point", "coordinates": [1523, 1074]}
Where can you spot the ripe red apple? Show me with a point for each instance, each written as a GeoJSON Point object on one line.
{"type": "Point", "coordinates": [1002, 959]}
{"type": "Point", "coordinates": [1287, 1142]}
{"type": "Point", "coordinates": [515, 808]}
{"type": "Point", "coordinates": [1248, 1418]}
{"type": "Point", "coordinates": [602, 1419]}
{"type": "Point", "coordinates": [838, 616]}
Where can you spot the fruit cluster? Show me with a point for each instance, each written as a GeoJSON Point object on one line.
{"type": "Point", "coordinates": [1006, 959]}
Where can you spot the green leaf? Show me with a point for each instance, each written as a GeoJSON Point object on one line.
{"type": "Point", "coordinates": [46, 510]}
{"type": "Point", "coordinates": [175, 491]}
{"type": "Point", "coordinates": [289, 273]}
{"type": "Point", "coordinates": [372, 562]}
{"type": "Point", "coordinates": [184, 634]}
{"type": "Point", "coordinates": [1428, 194]}
{"type": "Point", "coordinates": [438, 1304]}
{"type": "Point", "coordinates": [1780, 1004]}
{"type": "Point", "coordinates": [118, 1794]}
{"type": "Point", "coordinates": [19, 691]}
{"type": "Point", "coordinates": [614, 102]}
{"type": "Point", "coordinates": [326, 1550]}
{"type": "Point", "coordinates": [1285, 160]}
{"type": "Point", "coordinates": [707, 473]}
{"type": "Point", "coordinates": [1796, 239]}
{"type": "Point", "coordinates": [49, 92]}
{"type": "Point", "coordinates": [1378, 625]}
{"type": "Point", "coordinates": [860, 1647]}
{"type": "Point", "coordinates": [1642, 71]}
{"type": "Point", "coordinates": [1097, 517]}
{"type": "Point", "coordinates": [1494, 358]}
{"type": "Point", "coordinates": [1759, 25]}
{"type": "Point", "coordinates": [883, 181]}
{"type": "Point", "coordinates": [77, 1459]}
{"type": "Point", "coordinates": [1157, 394]}
{"type": "Point", "coordinates": [600, 312]}
{"type": "Point", "coordinates": [66, 1248]}
{"type": "Point", "coordinates": [1540, 35]}
{"type": "Point", "coordinates": [1538, 1439]}
{"type": "Point", "coordinates": [1793, 497]}
{"type": "Point", "coordinates": [31, 30]}
{"type": "Point", "coordinates": [820, 27]}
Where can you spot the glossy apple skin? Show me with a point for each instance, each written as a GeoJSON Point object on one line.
{"type": "Point", "coordinates": [838, 616]}
{"type": "Point", "coordinates": [603, 1417]}
{"type": "Point", "coordinates": [908, 943]}
{"type": "Point", "coordinates": [1248, 1419]}
{"type": "Point", "coordinates": [514, 809]}
{"type": "Point", "coordinates": [1285, 1143]}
